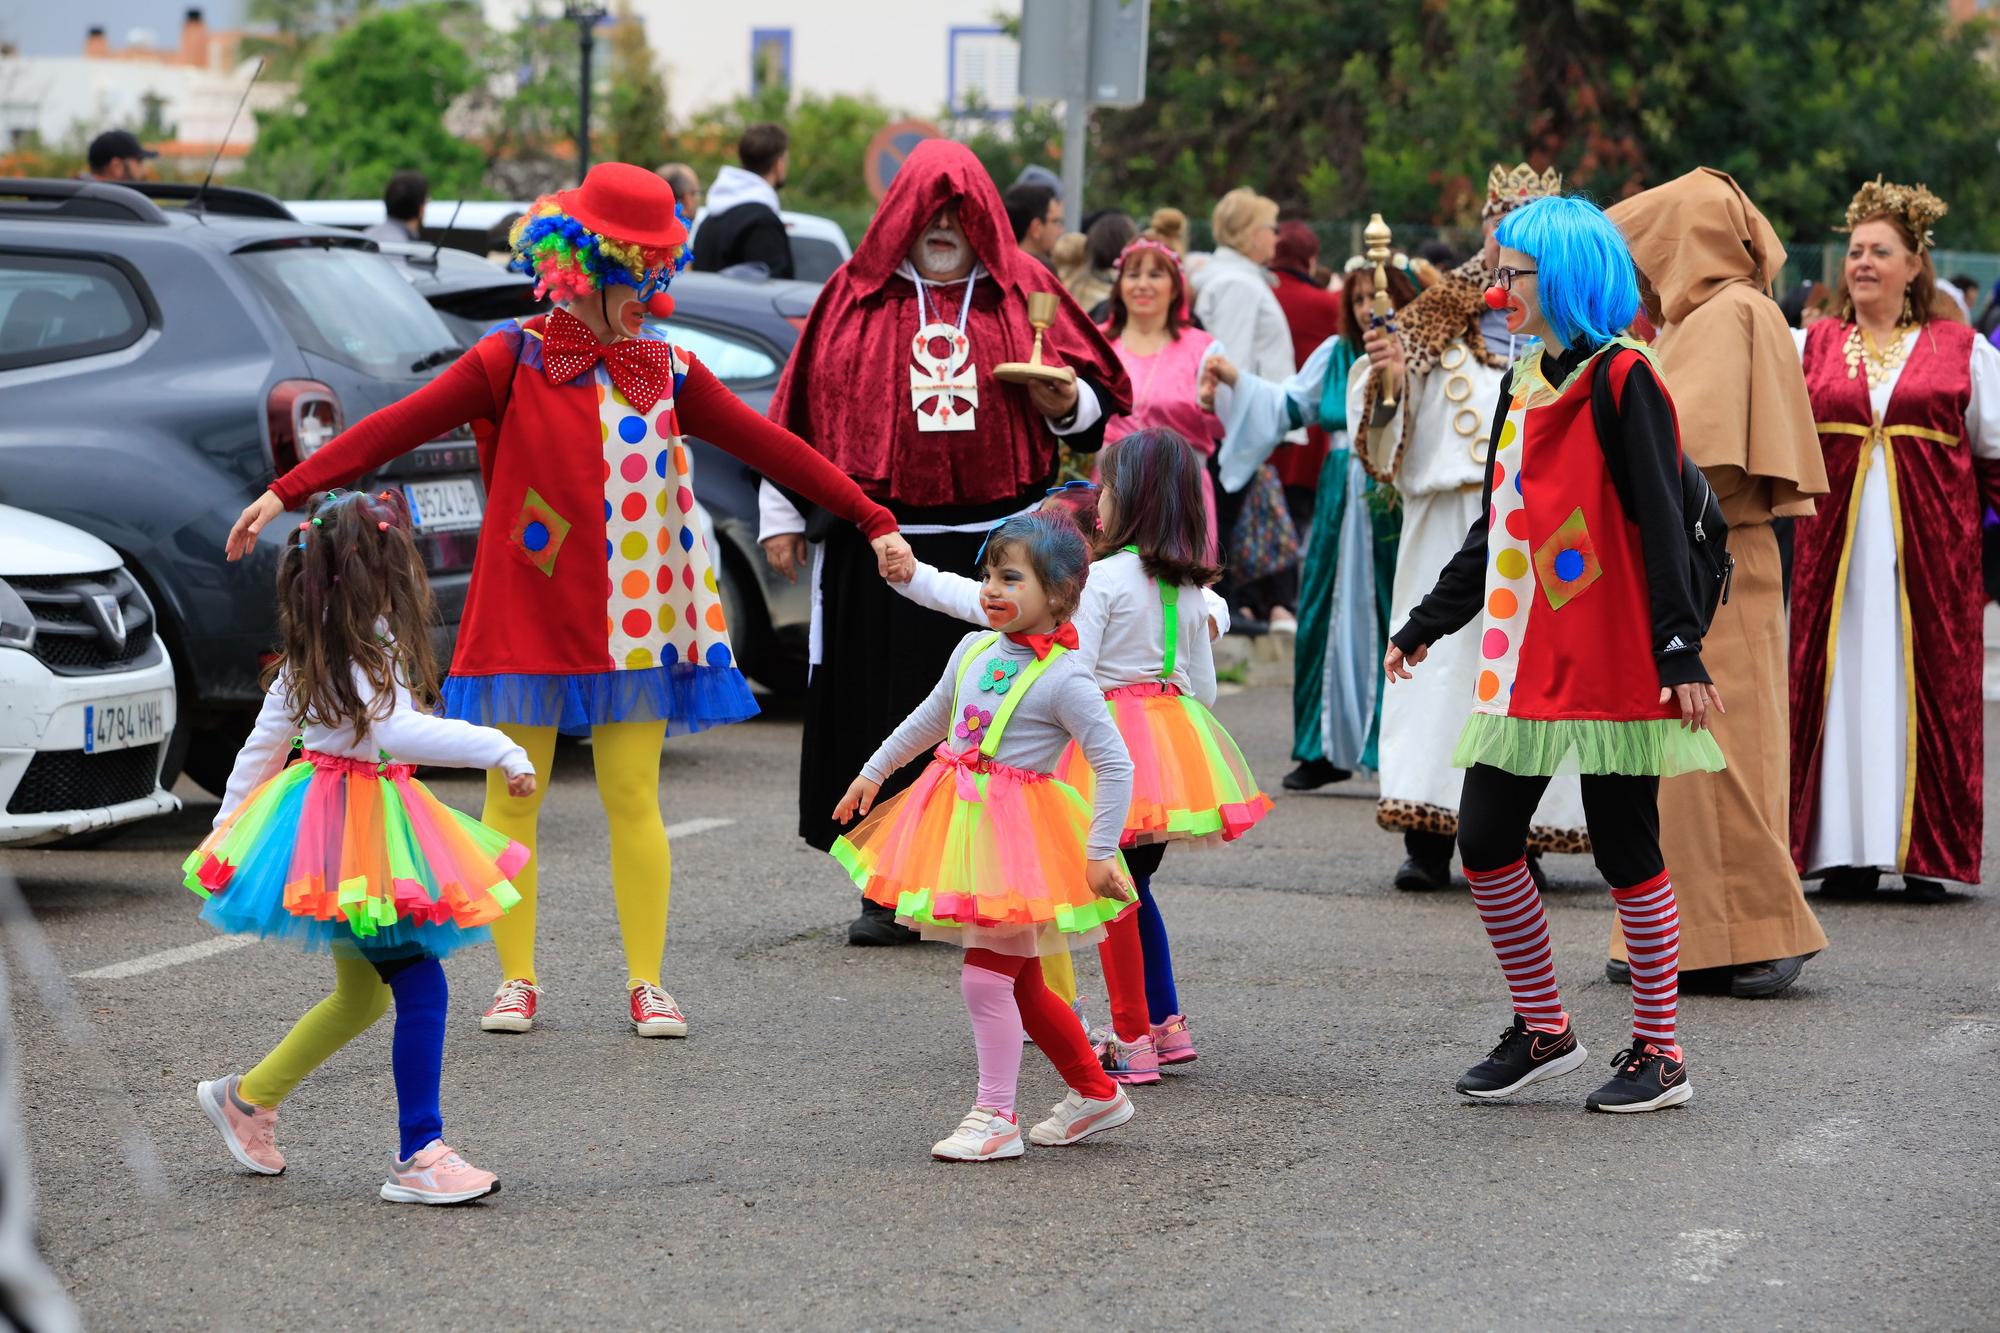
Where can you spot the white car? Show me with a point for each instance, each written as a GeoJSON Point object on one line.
{"type": "Point", "coordinates": [86, 690]}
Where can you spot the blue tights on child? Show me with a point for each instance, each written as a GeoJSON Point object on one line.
{"type": "Point", "coordinates": [417, 1051]}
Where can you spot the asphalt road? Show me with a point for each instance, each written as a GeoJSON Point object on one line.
{"type": "Point", "coordinates": [1314, 1169]}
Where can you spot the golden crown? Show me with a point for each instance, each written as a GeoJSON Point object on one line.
{"type": "Point", "coordinates": [1914, 205]}
{"type": "Point", "coordinates": [1510, 187]}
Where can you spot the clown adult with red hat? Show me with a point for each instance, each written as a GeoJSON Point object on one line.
{"type": "Point", "coordinates": [593, 607]}
{"type": "Point", "coordinates": [892, 380]}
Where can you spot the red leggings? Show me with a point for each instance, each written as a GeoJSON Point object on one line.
{"type": "Point", "coordinates": [1049, 1022]}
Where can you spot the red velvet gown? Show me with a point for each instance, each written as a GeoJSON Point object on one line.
{"type": "Point", "coordinates": [1934, 492]}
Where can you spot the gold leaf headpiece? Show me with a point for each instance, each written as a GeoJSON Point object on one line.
{"type": "Point", "coordinates": [1914, 205]}
{"type": "Point", "coordinates": [1507, 188]}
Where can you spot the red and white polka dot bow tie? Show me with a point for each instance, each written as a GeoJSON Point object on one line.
{"type": "Point", "coordinates": [642, 368]}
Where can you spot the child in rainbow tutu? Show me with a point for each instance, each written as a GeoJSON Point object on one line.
{"type": "Point", "coordinates": [1212, 798]}
{"type": "Point", "coordinates": [989, 851]}
{"type": "Point", "coordinates": [345, 851]}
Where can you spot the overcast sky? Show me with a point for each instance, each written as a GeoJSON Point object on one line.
{"type": "Point", "coordinates": [58, 29]}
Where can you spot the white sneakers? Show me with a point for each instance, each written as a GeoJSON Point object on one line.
{"type": "Point", "coordinates": [983, 1136]}
{"type": "Point", "coordinates": [1076, 1118]}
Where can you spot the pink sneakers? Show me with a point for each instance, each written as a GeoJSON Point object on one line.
{"type": "Point", "coordinates": [251, 1136]}
{"type": "Point", "coordinates": [513, 1007]}
{"type": "Point", "coordinates": [1172, 1042]}
{"type": "Point", "coordinates": [1130, 1063]}
{"type": "Point", "coordinates": [438, 1175]}
{"type": "Point", "coordinates": [1076, 1118]}
{"type": "Point", "coordinates": [654, 1013]}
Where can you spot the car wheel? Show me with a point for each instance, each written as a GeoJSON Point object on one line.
{"type": "Point", "coordinates": [211, 754]}
{"type": "Point", "coordinates": [759, 653]}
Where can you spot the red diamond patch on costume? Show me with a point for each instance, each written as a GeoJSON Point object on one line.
{"type": "Point", "coordinates": [1567, 563]}
{"type": "Point", "coordinates": [539, 532]}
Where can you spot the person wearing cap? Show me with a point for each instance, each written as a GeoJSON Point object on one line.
{"type": "Point", "coordinates": [1445, 358]}
{"type": "Point", "coordinates": [593, 607]}
{"type": "Point", "coordinates": [117, 155]}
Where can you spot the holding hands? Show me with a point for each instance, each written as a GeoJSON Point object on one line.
{"type": "Point", "coordinates": [1216, 370]}
{"type": "Point", "coordinates": [894, 559]}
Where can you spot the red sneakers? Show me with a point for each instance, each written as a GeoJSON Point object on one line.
{"type": "Point", "coordinates": [513, 1007]}
{"type": "Point", "coordinates": [654, 1013]}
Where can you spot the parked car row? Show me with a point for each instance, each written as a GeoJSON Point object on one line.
{"type": "Point", "coordinates": [162, 355]}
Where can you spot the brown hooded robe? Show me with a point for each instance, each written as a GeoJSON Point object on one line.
{"type": "Point", "coordinates": [1727, 356]}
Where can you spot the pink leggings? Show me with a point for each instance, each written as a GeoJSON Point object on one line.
{"type": "Point", "coordinates": [1003, 995]}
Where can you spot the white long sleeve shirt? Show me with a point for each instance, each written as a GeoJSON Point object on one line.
{"type": "Point", "coordinates": [1138, 640]}
{"type": "Point", "coordinates": [406, 735]}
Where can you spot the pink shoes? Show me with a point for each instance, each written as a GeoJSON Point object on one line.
{"type": "Point", "coordinates": [1172, 1042]}
{"type": "Point", "coordinates": [1130, 1063]}
{"type": "Point", "coordinates": [251, 1136]}
{"type": "Point", "coordinates": [438, 1175]}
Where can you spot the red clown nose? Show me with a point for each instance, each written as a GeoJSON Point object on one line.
{"type": "Point", "coordinates": [1496, 298]}
{"type": "Point", "coordinates": [661, 306]}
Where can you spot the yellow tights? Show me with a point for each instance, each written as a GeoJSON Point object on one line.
{"type": "Point", "coordinates": [360, 996]}
{"type": "Point", "coordinates": [1059, 975]}
{"type": "Point", "coordinates": [627, 756]}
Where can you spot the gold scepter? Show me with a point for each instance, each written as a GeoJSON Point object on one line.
{"type": "Point", "coordinates": [1381, 312]}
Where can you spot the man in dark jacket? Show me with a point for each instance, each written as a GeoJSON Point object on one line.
{"type": "Point", "coordinates": [742, 225]}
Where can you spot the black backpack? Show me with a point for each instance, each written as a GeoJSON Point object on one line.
{"type": "Point", "coordinates": [1710, 566]}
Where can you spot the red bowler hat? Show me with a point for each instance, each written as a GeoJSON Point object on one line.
{"type": "Point", "coordinates": [622, 202]}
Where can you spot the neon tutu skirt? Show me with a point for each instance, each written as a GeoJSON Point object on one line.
{"type": "Point", "coordinates": [342, 851]}
{"type": "Point", "coordinates": [1190, 782]}
{"type": "Point", "coordinates": [983, 856]}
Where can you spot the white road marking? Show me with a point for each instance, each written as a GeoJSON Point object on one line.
{"type": "Point", "coordinates": [1700, 1256]}
{"type": "Point", "coordinates": [194, 953]}
{"type": "Point", "coordinates": [153, 962]}
{"type": "Point", "coordinates": [687, 828]}
{"type": "Point", "coordinates": [1824, 1144]}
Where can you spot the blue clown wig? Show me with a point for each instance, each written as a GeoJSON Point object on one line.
{"type": "Point", "coordinates": [1588, 285]}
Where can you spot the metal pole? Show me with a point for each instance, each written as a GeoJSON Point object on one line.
{"type": "Point", "coordinates": [1076, 111]}
{"type": "Point", "coordinates": [585, 42]}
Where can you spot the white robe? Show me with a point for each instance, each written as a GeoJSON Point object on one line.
{"type": "Point", "coordinates": [1858, 818]}
{"type": "Point", "coordinates": [1440, 480]}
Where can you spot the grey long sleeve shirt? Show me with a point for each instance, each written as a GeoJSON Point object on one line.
{"type": "Point", "coordinates": [1065, 702]}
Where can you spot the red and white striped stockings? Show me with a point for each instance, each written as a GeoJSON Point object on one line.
{"type": "Point", "coordinates": [1510, 907]}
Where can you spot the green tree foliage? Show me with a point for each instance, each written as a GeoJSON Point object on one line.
{"type": "Point", "coordinates": [638, 93]}
{"type": "Point", "coordinates": [371, 102]}
{"type": "Point", "coordinates": [1342, 107]}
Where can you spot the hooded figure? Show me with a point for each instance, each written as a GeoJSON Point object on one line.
{"type": "Point", "coordinates": [1708, 260]}
{"type": "Point", "coordinates": [924, 427]}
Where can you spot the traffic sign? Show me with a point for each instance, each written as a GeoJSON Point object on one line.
{"type": "Point", "coordinates": [884, 155]}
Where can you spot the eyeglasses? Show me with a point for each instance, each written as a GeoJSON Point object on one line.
{"type": "Point", "coordinates": [1503, 277]}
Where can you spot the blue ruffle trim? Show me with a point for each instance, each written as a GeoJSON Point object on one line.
{"type": "Point", "coordinates": [687, 696]}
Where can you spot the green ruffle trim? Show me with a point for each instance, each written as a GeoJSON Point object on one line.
{"type": "Point", "coordinates": [1655, 747]}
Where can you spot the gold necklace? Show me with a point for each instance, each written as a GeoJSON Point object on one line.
{"type": "Point", "coordinates": [1880, 364]}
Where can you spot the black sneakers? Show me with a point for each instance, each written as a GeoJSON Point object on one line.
{"type": "Point", "coordinates": [1522, 1057]}
{"type": "Point", "coordinates": [1648, 1079]}
{"type": "Point", "coordinates": [877, 927]}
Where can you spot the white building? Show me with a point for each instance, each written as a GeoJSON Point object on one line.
{"type": "Point", "coordinates": [917, 58]}
{"type": "Point", "coordinates": [177, 99]}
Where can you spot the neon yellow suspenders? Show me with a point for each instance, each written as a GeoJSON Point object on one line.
{"type": "Point", "coordinates": [989, 744]}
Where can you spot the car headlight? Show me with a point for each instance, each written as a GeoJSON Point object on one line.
{"type": "Point", "coordinates": [17, 622]}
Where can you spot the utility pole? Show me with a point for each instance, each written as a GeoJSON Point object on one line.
{"type": "Point", "coordinates": [586, 16]}
{"type": "Point", "coordinates": [1082, 53]}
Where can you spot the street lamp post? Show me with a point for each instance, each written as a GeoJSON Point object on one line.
{"type": "Point", "coordinates": [586, 17]}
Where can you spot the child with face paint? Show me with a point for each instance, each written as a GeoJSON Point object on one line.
{"type": "Point", "coordinates": [1590, 647]}
{"type": "Point", "coordinates": [960, 597]}
{"type": "Point", "coordinates": [987, 849]}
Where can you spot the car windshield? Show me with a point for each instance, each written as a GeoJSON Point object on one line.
{"type": "Point", "coordinates": [350, 305]}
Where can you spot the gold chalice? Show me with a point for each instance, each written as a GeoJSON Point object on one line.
{"type": "Point", "coordinates": [1042, 307]}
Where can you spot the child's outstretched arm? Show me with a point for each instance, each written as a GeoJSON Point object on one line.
{"type": "Point", "coordinates": [263, 754]}
{"type": "Point", "coordinates": [412, 737]}
{"type": "Point", "coordinates": [928, 724]}
{"type": "Point", "coordinates": [953, 595]}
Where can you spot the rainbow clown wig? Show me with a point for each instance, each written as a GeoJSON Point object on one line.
{"type": "Point", "coordinates": [1584, 273]}
{"type": "Point", "coordinates": [568, 260]}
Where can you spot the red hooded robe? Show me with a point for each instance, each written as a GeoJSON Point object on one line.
{"type": "Point", "coordinates": [846, 390]}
